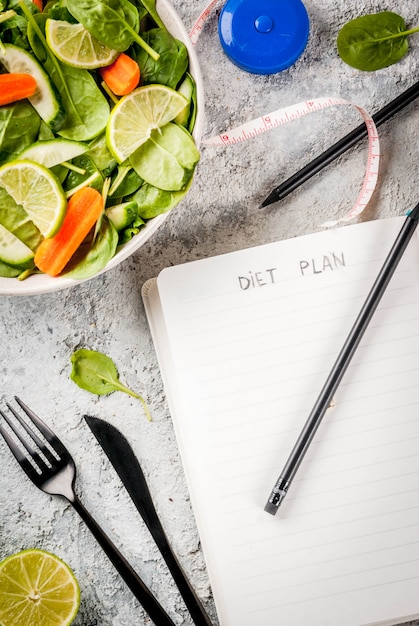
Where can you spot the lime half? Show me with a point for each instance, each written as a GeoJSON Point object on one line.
{"type": "Point", "coordinates": [139, 113]}
{"type": "Point", "coordinates": [37, 588]}
{"type": "Point", "coordinates": [38, 191]}
{"type": "Point", "coordinates": [73, 44]}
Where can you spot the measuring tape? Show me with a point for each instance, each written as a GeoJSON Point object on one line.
{"type": "Point", "coordinates": [277, 118]}
{"type": "Point", "coordinates": [199, 24]}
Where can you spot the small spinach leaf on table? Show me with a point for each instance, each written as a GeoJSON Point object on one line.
{"type": "Point", "coordinates": [97, 373]}
{"type": "Point", "coordinates": [372, 42]}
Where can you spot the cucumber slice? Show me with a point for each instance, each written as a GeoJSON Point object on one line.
{"type": "Point", "coordinates": [45, 100]}
{"type": "Point", "coordinates": [187, 89]}
{"type": "Point", "coordinates": [52, 152]}
{"type": "Point", "coordinates": [13, 251]}
{"type": "Point", "coordinates": [122, 215]}
{"type": "Point", "coordinates": [9, 271]}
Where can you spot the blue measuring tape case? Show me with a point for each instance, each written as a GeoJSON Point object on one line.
{"type": "Point", "coordinates": [263, 36]}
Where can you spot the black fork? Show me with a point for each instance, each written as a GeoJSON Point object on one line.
{"type": "Point", "coordinates": [51, 468]}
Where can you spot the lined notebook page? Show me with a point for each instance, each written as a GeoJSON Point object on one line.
{"type": "Point", "coordinates": [245, 342]}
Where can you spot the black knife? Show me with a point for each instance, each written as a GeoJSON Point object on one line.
{"type": "Point", "coordinates": [124, 461]}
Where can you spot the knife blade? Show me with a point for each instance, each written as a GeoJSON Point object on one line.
{"type": "Point", "coordinates": [122, 457]}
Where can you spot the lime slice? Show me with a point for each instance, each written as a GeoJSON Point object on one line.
{"type": "Point", "coordinates": [37, 588]}
{"type": "Point", "coordinates": [137, 114]}
{"type": "Point", "coordinates": [74, 45]}
{"type": "Point", "coordinates": [38, 191]}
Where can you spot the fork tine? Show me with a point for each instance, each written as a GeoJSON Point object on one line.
{"type": "Point", "coordinates": [20, 456]}
{"type": "Point", "coordinates": [49, 435]}
{"type": "Point", "coordinates": [32, 434]}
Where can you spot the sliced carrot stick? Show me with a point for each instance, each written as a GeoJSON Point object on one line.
{"type": "Point", "coordinates": [39, 4]}
{"type": "Point", "coordinates": [16, 87]}
{"type": "Point", "coordinates": [122, 76]}
{"type": "Point", "coordinates": [83, 210]}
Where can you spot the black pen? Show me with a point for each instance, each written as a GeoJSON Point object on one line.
{"type": "Point", "coordinates": [340, 146]}
{"type": "Point", "coordinates": [281, 486]}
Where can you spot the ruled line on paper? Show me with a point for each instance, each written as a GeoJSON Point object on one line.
{"type": "Point", "coordinates": [365, 482]}
{"type": "Point", "coordinates": [291, 413]}
{"type": "Point", "coordinates": [394, 563]}
{"type": "Point", "coordinates": [318, 457]}
{"type": "Point", "coordinates": [345, 591]}
{"type": "Point", "coordinates": [238, 440]}
{"type": "Point", "coordinates": [260, 402]}
{"type": "Point", "coordinates": [344, 384]}
{"type": "Point", "coordinates": [271, 332]}
{"type": "Point", "coordinates": [378, 517]}
{"type": "Point", "coordinates": [379, 534]}
{"type": "Point", "coordinates": [311, 495]}
{"type": "Point", "coordinates": [281, 298]}
{"type": "Point", "coordinates": [276, 551]}
{"type": "Point", "coordinates": [358, 287]}
{"type": "Point", "coordinates": [274, 349]}
{"type": "Point", "coordinates": [314, 478]}
{"type": "Point", "coordinates": [374, 263]}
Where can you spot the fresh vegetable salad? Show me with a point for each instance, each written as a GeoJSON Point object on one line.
{"type": "Point", "coordinates": [97, 107]}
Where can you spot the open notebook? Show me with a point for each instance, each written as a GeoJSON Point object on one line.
{"type": "Point", "coordinates": [245, 342]}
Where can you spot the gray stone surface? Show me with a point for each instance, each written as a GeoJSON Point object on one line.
{"type": "Point", "coordinates": [221, 213]}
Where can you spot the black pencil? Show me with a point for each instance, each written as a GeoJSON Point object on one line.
{"type": "Point", "coordinates": [340, 366]}
{"type": "Point", "coordinates": [340, 146]}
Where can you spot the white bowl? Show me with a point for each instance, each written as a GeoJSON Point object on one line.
{"type": "Point", "coordinates": [41, 283]}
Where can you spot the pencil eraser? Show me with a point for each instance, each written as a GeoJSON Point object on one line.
{"type": "Point", "coordinates": [271, 508]}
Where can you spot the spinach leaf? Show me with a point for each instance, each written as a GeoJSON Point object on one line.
{"type": "Point", "coordinates": [372, 42]}
{"type": "Point", "coordinates": [113, 22]}
{"type": "Point", "coordinates": [124, 182]}
{"type": "Point", "coordinates": [152, 201]}
{"type": "Point", "coordinates": [13, 29]}
{"type": "Point", "coordinates": [150, 6]}
{"type": "Point", "coordinates": [101, 155]}
{"type": "Point", "coordinates": [15, 219]}
{"type": "Point", "coordinates": [92, 176]}
{"type": "Point", "coordinates": [45, 133]}
{"type": "Point", "coordinates": [86, 108]}
{"type": "Point", "coordinates": [10, 271]}
{"type": "Point", "coordinates": [172, 63]}
{"type": "Point", "coordinates": [19, 126]}
{"type": "Point", "coordinates": [167, 159]}
{"type": "Point", "coordinates": [92, 256]}
{"type": "Point", "coordinates": [97, 373]}
{"type": "Point", "coordinates": [58, 11]}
